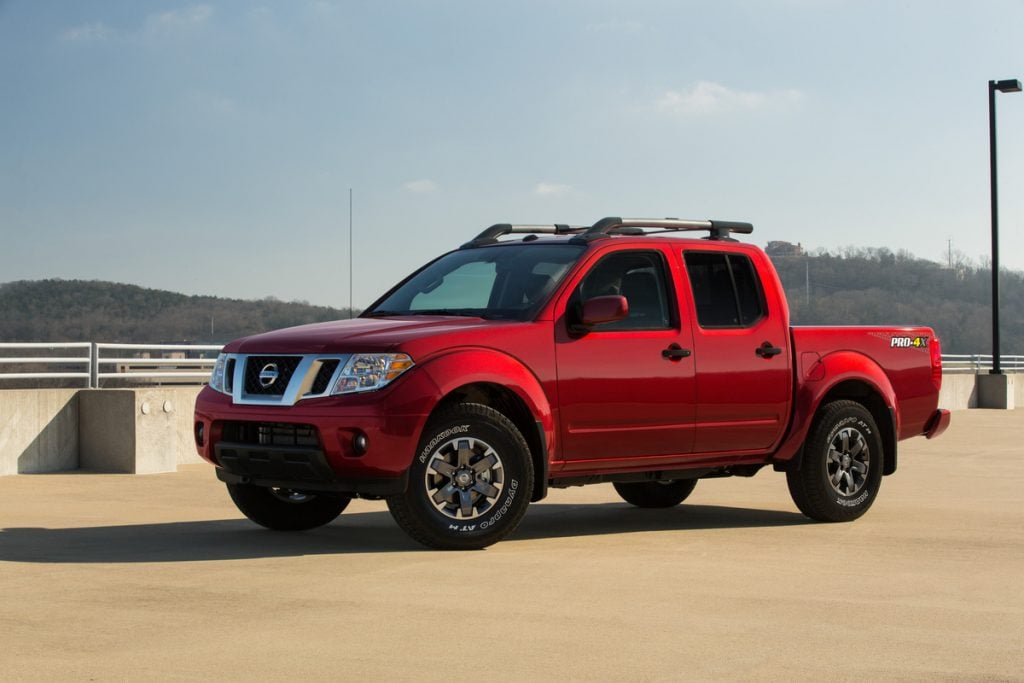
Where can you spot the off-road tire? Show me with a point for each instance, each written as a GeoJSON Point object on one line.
{"type": "Point", "coordinates": [656, 494]}
{"type": "Point", "coordinates": [841, 468]}
{"type": "Point", "coordinates": [469, 483]}
{"type": "Point", "coordinates": [284, 510]}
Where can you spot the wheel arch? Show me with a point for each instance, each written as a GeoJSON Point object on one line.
{"type": "Point", "coordinates": [509, 404]}
{"type": "Point", "coordinates": [503, 383]}
{"type": "Point", "coordinates": [845, 376]}
{"type": "Point", "coordinates": [868, 396]}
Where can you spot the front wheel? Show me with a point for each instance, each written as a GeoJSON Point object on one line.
{"type": "Point", "coordinates": [841, 469]}
{"type": "Point", "coordinates": [284, 509]}
{"type": "Point", "coordinates": [656, 494]}
{"type": "Point", "coordinates": [470, 482]}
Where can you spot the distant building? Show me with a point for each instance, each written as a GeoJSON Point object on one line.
{"type": "Point", "coordinates": [779, 248]}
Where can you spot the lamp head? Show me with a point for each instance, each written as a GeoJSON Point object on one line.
{"type": "Point", "coordinates": [1009, 85]}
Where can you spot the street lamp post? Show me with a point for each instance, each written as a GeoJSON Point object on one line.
{"type": "Point", "coordinates": [1009, 85]}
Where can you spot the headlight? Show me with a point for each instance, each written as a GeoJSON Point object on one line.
{"type": "Point", "coordinates": [219, 371]}
{"type": "Point", "coordinates": [371, 371]}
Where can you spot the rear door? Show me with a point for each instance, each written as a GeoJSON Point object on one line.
{"type": "Point", "coordinates": [626, 389]}
{"type": "Point", "coordinates": [741, 351]}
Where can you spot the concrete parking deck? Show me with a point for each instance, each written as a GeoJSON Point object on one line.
{"type": "Point", "coordinates": [157, 577]}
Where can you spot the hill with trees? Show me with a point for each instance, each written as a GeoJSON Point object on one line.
{"type": "Point", "coordinates": [80, 310]}
{"type": "Point", "coordinates": [848, 287]}
{"type": "Point", "coordinates": [876, 286]}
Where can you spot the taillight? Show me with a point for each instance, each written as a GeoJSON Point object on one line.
{"type": "Point", "coordinates": [936, 351]}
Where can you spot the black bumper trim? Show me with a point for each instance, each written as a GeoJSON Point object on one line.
{"type": "Point", "coordinates": [291, 463]}
{"type": "Point", "coordinates": [368, 487]}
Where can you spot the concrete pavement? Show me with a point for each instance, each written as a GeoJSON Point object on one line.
{"type": "Point", "coordinates": [157, 577]}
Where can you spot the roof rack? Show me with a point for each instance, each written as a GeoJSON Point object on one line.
{"type": "Point", "coordinates": [613, 225]}
{"type": "Point", "coordinates": [606, 227]}
{"type": "Point", "coordinates": [491, 234]}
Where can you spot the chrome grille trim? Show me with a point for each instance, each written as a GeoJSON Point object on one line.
{"type": "Point", "coordinates": [300, 385]}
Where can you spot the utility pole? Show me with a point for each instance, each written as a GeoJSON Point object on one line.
{"type": "Point", "coordinates": [807, 281]}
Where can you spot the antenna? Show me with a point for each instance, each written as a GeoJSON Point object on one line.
{"type": "Point", "coordinates": [350, 253]}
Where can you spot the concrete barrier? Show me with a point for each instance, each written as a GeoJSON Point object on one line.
{"type": "Point", "coordinates": [136, 431]}
{"type": "Point", "coordinates": [149, 430]}
{"type": "Point", "coordinates": [959, 392]}
{"type": "Point", "coordinates": [38, 430]}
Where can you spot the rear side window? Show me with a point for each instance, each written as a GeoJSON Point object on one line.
{"type": "Point", "coordinates": [725, 289]}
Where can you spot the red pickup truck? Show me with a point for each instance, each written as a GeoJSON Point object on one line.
{"type": "Point", "coordinates": [620, 352]}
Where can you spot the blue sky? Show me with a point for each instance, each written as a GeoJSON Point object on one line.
{"type": "Point", "coordinates": [208, 148]}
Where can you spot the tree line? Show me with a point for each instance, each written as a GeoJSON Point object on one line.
{"type": "Point", "coordinates": [91, 310]}
{"type": "Point", "coordinates": [852, 286]}
{"type": "Point", "coordinates": [867, 286]}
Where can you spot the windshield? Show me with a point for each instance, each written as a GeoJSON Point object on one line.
{"type": "Point", "coordinates": [508, 282]}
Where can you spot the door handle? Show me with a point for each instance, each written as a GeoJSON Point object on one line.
{"type": "Point", "coordinates": [675, 352]}
{"type": "Point", "coordinates": [766, 350]}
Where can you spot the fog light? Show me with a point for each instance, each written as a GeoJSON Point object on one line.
{"type": "Point", "coordinates": [200, 433]}
{"type": "Point", "coordinates": [360, 444]}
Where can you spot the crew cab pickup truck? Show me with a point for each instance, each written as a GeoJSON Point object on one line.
{"type": "Point", "coordinates": [535, 357]}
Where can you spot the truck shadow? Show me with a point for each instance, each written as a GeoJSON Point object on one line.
{"type": "Point", "coordinates": [360, 532]}
{"type": "Point", "coordinates": [556, 520]}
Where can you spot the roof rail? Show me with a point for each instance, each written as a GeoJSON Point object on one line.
{"type": "Point", "coordinates": [613, 225]}
{"type": "Point", "coordinates": [491, 234]}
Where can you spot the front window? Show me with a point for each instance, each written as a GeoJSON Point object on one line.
{"type": "Point", "coordinates": [506, 282]}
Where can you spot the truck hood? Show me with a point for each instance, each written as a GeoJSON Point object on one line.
{"type": "Point", "coordinates": [358, 334]}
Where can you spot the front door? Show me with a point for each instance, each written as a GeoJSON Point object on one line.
{"type": "Point", "coordinates": [626, 389]}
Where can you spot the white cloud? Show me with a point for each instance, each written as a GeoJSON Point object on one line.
{"type": "Point", "coordinates": [707, 97]}
{"type": "Point", "coordinates": [552, 190]}
{"type": "Point", "coordinates": [422, 186]}
{"type": "Point", "coordinates": [176, 20]}
{"type": "Point", "coordinates": [87, 33]}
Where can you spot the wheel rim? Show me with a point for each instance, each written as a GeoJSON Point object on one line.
{"type": "Point", "coordinates": [464, 478]}
{"type": "Point", "coordinates": [848, 462]}
{"type": "Point", "coordinates": [290, 496]}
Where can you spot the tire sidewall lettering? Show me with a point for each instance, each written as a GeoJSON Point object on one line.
{"type": "Point", "coordinates": [440, 437]}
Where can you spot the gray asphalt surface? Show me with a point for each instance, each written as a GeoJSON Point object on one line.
{"type": "Point", "coordinates": [117, 577]}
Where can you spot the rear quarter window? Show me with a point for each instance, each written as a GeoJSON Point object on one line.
{"type": "Point", "coordinates": [726, 289]}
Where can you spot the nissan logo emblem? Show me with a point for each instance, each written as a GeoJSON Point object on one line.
{"type": "Point", "coordinates": [268, 375]}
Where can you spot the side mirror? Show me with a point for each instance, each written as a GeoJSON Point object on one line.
{"type": "Point", "coordinates": [604, 309]}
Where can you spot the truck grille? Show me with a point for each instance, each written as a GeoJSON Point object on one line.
{"type": "Point", "coordinates": [323, 377]}
{"type": "Point", "coordinates": [281, 380]}
{"type": "Point", "coordinates": [269, 375]}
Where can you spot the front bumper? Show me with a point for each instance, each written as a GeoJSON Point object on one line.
{"type": "Point", "coordinates": [323, 447]}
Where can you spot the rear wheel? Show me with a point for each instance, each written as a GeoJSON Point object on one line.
{"type": "Point", "coordinates": [470, 482]}
{"type": "Point", "coordinates": [285, 509]}
{"type": "Point", "coordinates": [656, 494]}
{"type": "Point", "coordinates": [841, 469]}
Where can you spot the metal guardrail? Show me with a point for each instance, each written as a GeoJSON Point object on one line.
{"type": "Point", "coordinates": [101, 362]}
{"type": "Point", "coordinates": [980, 362]}
{"type": "Point", "coordinates": [97, 362]}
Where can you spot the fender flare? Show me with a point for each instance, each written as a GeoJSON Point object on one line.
{"type": "Point", "coordinates": [817, 382]}
{"type": "Point", "coordinates": [465, 366]}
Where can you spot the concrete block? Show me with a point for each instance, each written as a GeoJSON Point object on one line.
{"type": "Point", "coordinates": [997, 391]}
{"type": "Point", "coordinates": [959, 391]}
{"type": "Point", "coordinates": [38, 430]}
{"type": "Point", "coordinates": [138, 431]}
